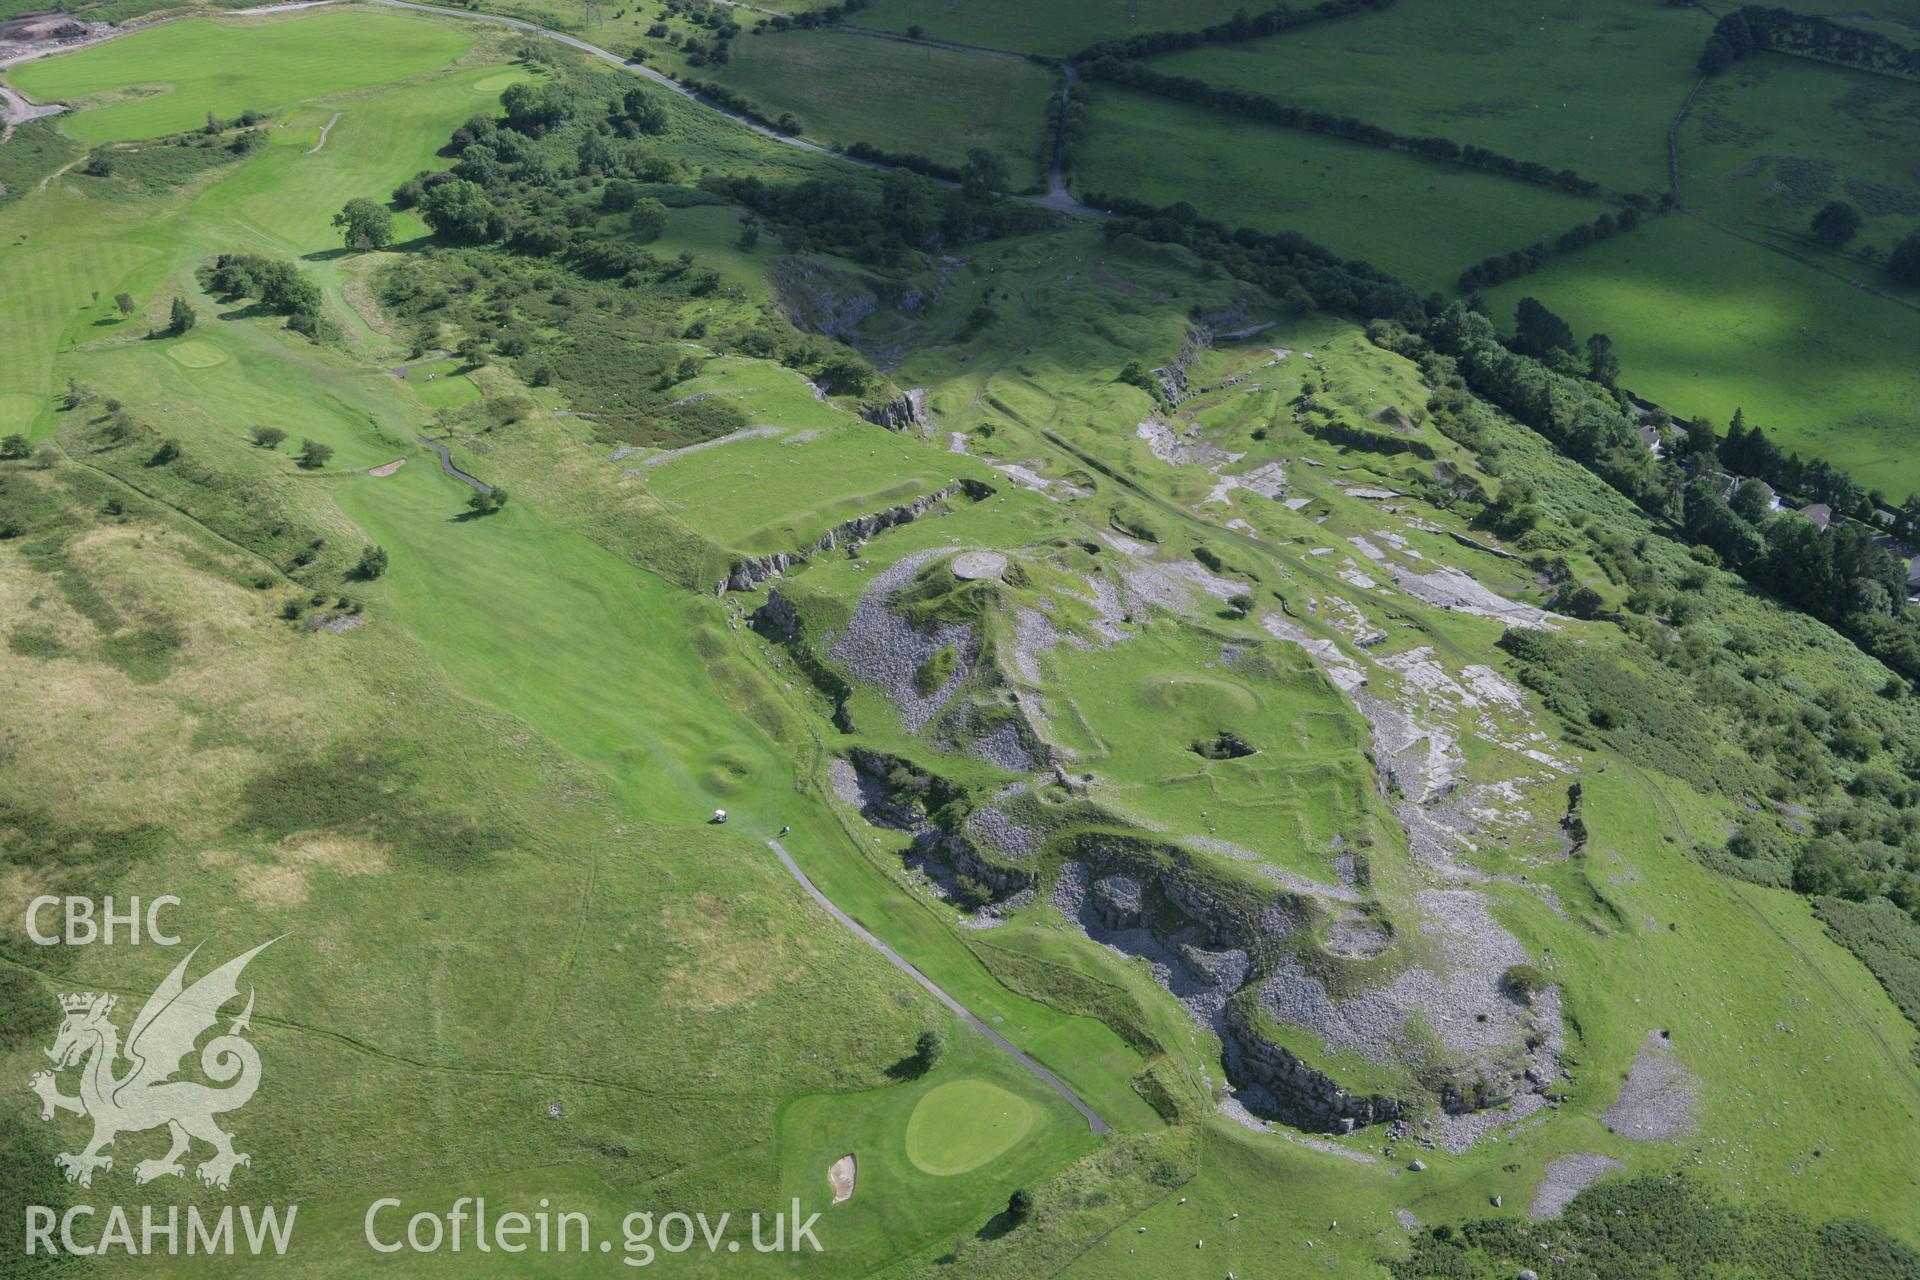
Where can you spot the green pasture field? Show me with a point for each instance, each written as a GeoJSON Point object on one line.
{"type": "Point", "coordinates": [898, 96]}
{"type": "Point", "coordinates": [1417, 219]}
{"type": "Point", "coordinates": [1059, 28]}
{"type": "Point", "coordinates": [1770, 142]}
{"type": "Point", "coordinates": [1897, 19]}
{"type": "Point", "coordinates": [1589, 87]}
{"type": "Point", "coordinates": [167, 79]}
{"type": "Point", "coordinates": [1705, 323]}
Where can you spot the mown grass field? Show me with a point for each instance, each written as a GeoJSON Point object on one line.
{"type": "Point", "coordinates": [757, 495]}
{"type": "Point", "coordinates": [939, 103]}
{"type": "Point", "coordinates": [1588, 87]}
{"type": "Point", "coordinates": [1706, 323]}
{"type": "Point", "coordinates": [1422, 221]}
{"type": "Point", "coordinates": [168, 79]}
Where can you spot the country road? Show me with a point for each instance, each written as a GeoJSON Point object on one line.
{"type": "Point", "coordinates": [1045, 1076]}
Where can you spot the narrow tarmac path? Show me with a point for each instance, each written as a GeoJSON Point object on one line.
{"type": "Point", "coordinates": [1045, 1076]}
{"type": "Point", "coordinates": [325, 129]}
{"type": "Point", "coordinates": [446, 465]}
{"type": "Point", "coordinates": [16, 110]}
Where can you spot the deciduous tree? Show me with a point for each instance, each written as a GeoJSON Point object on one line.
{"type": "Point", "coordinates": [1836, 223]}
{"type": "Point", "coordinates": [648, 219]}
{"type": "Point", "coordinates": [365, 224]}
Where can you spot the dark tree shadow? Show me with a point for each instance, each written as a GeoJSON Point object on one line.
{"type": "Point", "coordinates": [998, 1225]}
{"type": "Point", "coordinates": [911, 1067]}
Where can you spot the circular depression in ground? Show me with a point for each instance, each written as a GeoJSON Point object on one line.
{"type": "Point", "coordinates": [963, 1124]}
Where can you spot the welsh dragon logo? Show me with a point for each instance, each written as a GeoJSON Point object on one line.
{"type": "Point", "coordinates": [144, 1095]}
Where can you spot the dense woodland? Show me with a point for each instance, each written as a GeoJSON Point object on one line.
{"type": "Point", "coordinates": [1755, 28]}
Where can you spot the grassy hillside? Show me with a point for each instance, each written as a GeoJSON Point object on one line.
{"type": "Point", "coordinates": [1357, 803]}
{"type": "Point", "coordinates": [1765, 148]}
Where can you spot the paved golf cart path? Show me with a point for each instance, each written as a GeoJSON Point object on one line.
{"type": "Point", "coordinates": [1046, 1077]}
{"type": "Point", "coordinates": [446, 465]}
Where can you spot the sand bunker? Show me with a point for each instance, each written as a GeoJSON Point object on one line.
{"type": "Point", "coordinates": [388, 468]}
{"type": "Point", "coordinates": [841, 1177]}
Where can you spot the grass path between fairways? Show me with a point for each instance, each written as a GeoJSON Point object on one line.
{"type": "Point", "coordinates": [1054, 1082]}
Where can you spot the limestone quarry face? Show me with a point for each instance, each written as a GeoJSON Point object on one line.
{"type": "Point", "coordinates": [1432, 1011]}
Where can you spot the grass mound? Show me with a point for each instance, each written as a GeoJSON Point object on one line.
{"type": "Point", "coordinates": [195, 354]}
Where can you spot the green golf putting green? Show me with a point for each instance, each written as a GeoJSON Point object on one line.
{"type": "Point", "coordinates": [963, 1124]}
